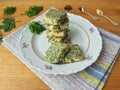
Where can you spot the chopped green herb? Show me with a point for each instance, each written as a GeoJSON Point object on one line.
{"type": "Point", "coordinates": [9, 10]}
{"type": "Point", "coordinates": [8, 24]}
{"type": "Point", "coordinates": [1, 38]}
{"type": "Point", "coordinates": [34, 10]}
{"type": "Point", "coordinates": [36, 27]}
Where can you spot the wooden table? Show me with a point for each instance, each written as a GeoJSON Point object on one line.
{"type": "Point", "coordinates": [14, 75]}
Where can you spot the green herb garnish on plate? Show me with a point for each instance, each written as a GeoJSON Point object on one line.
{"type": "Point", "coordinates": [36, 27]}
{"type": "Point", "coordinates": [8, 24]}
{"type": "Point", "coordinates": [33, 10]}
{"type": "Point", "coordinates": [9, 10]}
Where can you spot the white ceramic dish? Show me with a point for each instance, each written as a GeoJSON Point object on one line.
{"type": "Point", "coordinates": [82, 32]}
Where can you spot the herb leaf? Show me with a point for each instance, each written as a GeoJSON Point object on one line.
{"type": "Point", "coordinates": [8, 24]}
{"type": "Point", "coordinates": [1, 26]}
{"type": "Point", "coordinates": [9, 10]}
{"type": "Point", "coordinates": [1, 38]}
{"type": "Point", "coordinates": [36, 28]}
{"type": "Point", "coordinates": [33, 10]}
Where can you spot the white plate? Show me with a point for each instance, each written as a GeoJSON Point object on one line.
{"type": "Point", "coordinates": [82, 32]}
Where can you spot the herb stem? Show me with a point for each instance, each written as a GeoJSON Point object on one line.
{"type": "Point", "coordinates": [22, 14]}
{"type": "Point", "coordinates": [18, 21]}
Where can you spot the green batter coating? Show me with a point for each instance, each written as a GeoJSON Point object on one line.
{"type": "Point", "coordinates": [54, 39]}
{"type": "Point", "coordinates": [74, 54]}
{"type": "Point", "coordinates": [55, 17]}
{"type": "Point", "coordinates": [56, 53]}
{"type": "Point", "coordinates": [58, 28]}
{"type": "Point", "coordinates": [61, 34]}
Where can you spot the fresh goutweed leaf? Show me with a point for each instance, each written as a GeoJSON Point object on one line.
{"type": "Point", "coordinates": [9, 10]}
{"type": "Point", "coordinates": [33, 10]}
{"type": "Point", "coordinates": [8, 24]}
{"type": "Point", "coordinates": [1, 26]}
{"type": "Point", "coordinates": [36, 27]}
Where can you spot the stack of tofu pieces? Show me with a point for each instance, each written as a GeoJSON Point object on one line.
{"type": "Point", "coordinates": [57, 24]}
{"type": "Point", "coordinates": [60, 52]}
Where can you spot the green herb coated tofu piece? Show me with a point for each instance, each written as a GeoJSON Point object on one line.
{"type": "Point", "coordinates": [61, 34]}
{"type": "Point", "coordinates": [54, 39]}
{"type": "Point", "coordinates": [56, 53]}
{"type": "Point", "coordinates": [55, 17]}
{"type": "Point", "coordinates": [74, 55]}
{"type": "Point", "coordinates": [58, 28]}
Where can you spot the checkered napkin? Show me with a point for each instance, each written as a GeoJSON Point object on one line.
{"type": "Point", "coordinates": [92, 78]}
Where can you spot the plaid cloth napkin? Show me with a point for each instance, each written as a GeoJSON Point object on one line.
{"type": "Point", "coordinates": [92, 78]}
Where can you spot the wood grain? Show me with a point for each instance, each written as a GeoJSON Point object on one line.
{"type": "Point", "coordinates": [14, 75]}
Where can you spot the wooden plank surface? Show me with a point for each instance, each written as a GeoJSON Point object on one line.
{"type": "Point", "coordinates": [14, 75]}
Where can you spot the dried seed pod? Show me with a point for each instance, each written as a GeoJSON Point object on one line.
{"type": "Point", "coordinates": [68, 7]}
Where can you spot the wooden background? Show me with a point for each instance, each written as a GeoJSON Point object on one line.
{"type": "Point", "coordinates": [14, 75]}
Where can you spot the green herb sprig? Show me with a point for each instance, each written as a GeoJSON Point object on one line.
{"type": "Point", "coordinates": [33, 10]}
{"type": "Point", "coordinates": [9, 10]}
{"type": "Point", "coordinates": [8, 24]}
{"type": "Point", "coordinates": [36, 27]}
